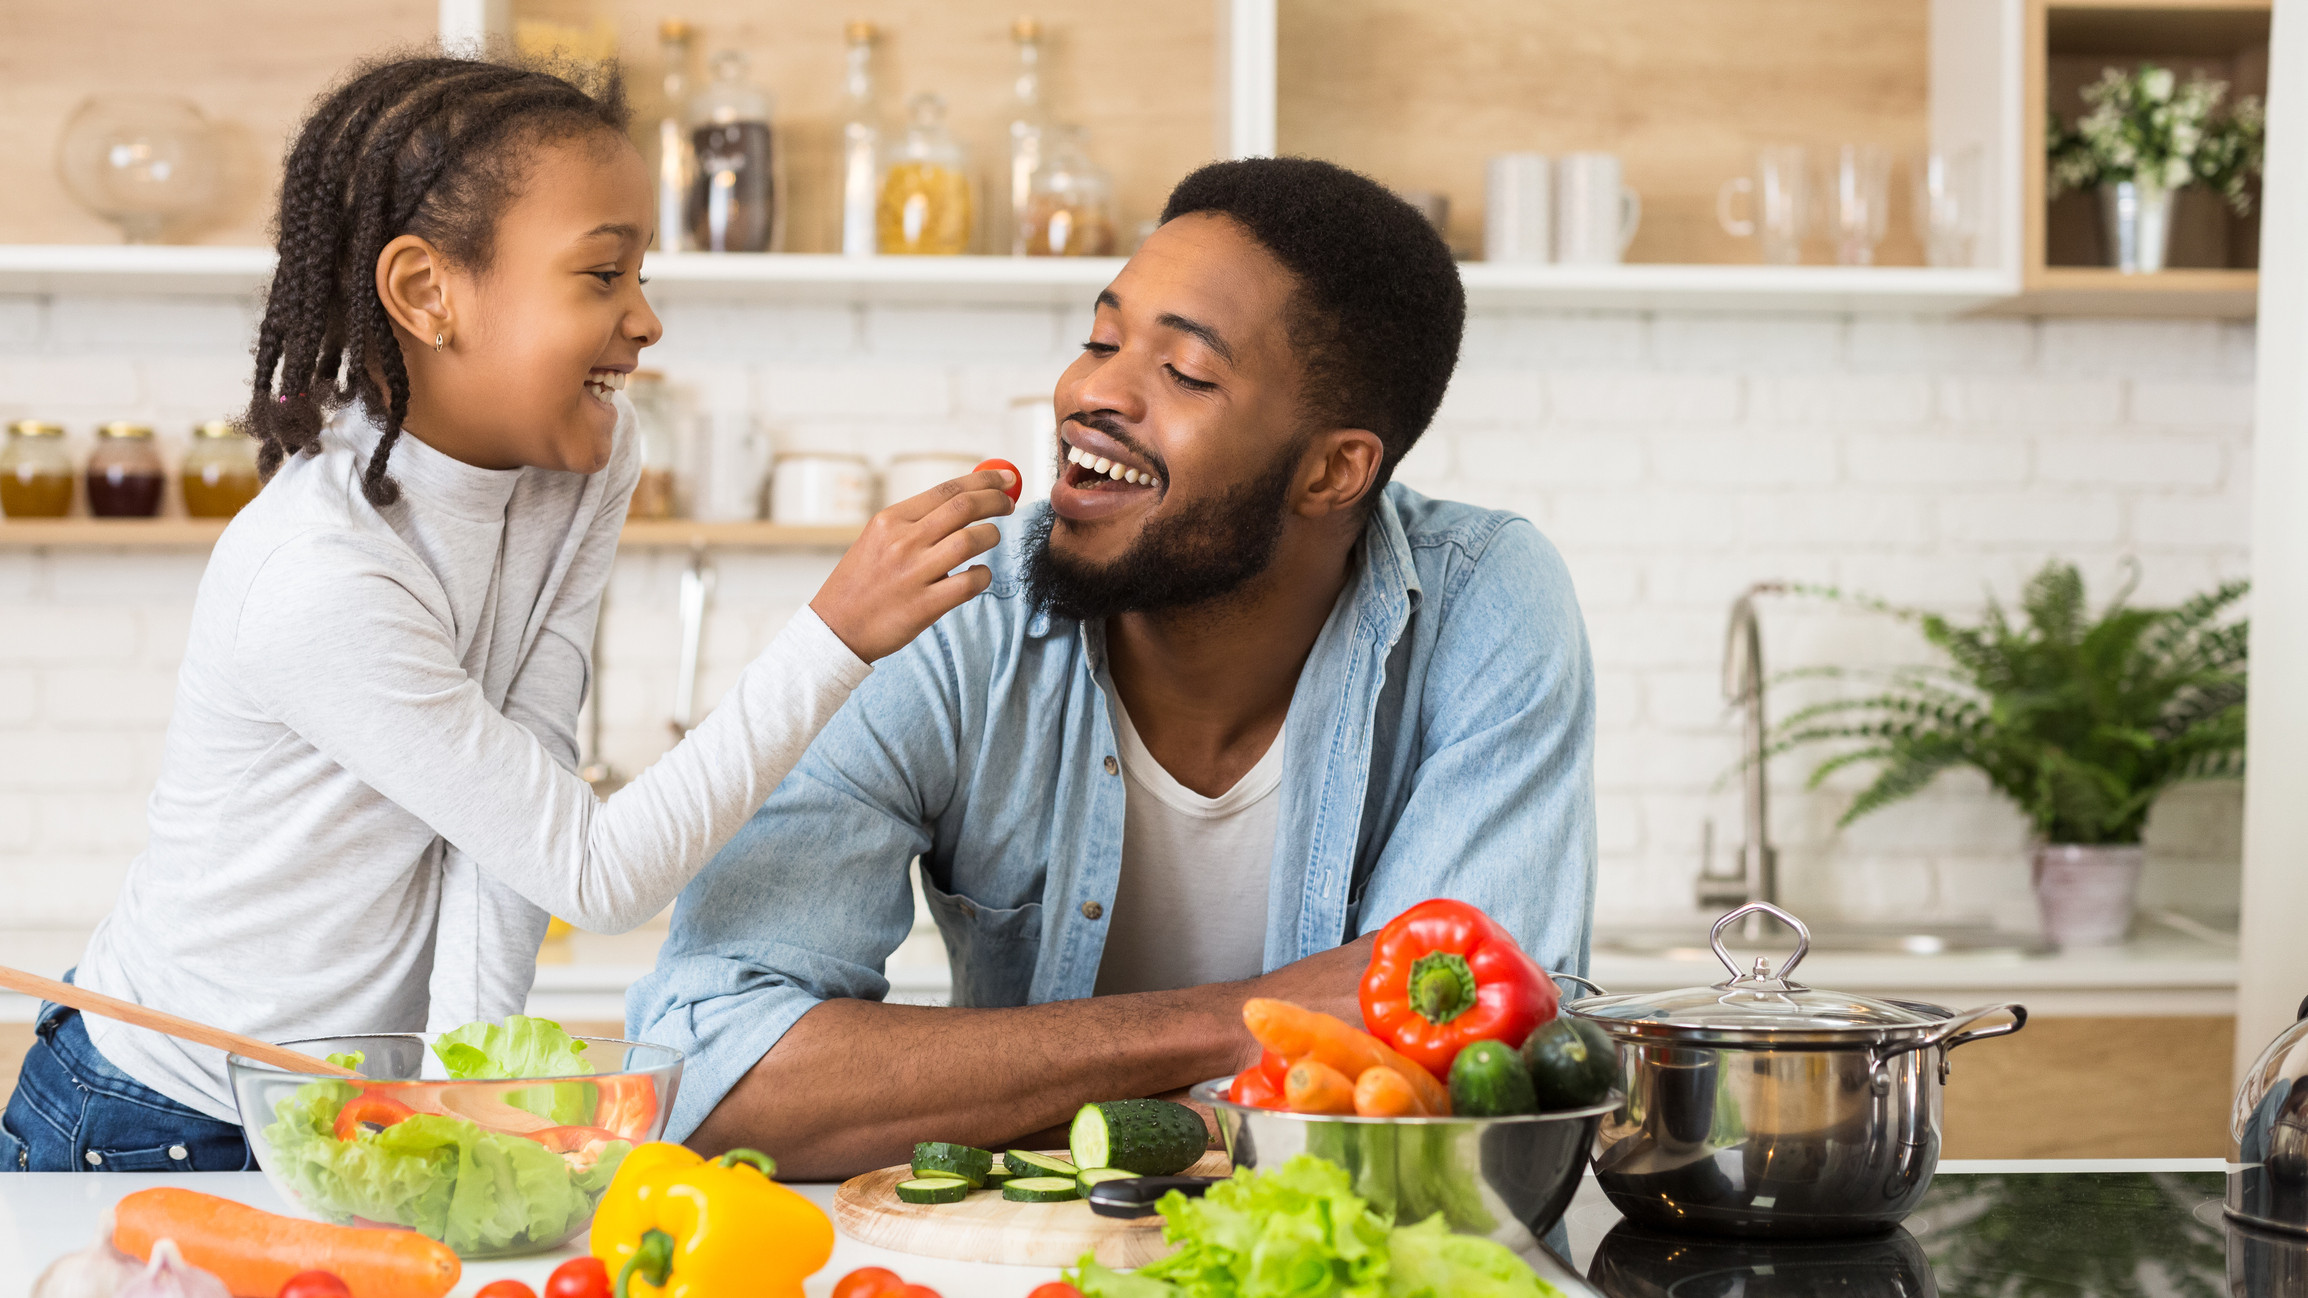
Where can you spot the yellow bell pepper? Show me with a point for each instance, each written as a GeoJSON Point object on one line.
{"type": "Point", "coordinates": [676, 1226]}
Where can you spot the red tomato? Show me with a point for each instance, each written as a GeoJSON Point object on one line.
{"type": "Point", "coordinates": [911, 1291]}
{"type": "Point", "coordinates": [1017, 479]}
{"type": "Point", "coordinates": [868, 1282]}
{"type": "Point", "coordinates": [506, 1289]}
{"type": "Point", "coordinates": [1055, 1289]}
{"type": "Point", "coordinates": [579, 1277]}
{"type": "Point", "coordinates": [315, 1284]}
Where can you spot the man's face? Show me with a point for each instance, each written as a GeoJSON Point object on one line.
{"type": "Point", "coordinates": [1188, 386]}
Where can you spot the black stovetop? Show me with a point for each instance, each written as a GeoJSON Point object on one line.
{"type": "Point", "coordinates": [2045, 1234]}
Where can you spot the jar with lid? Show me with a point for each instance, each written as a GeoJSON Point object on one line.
{"type": "Point", "coordinates": [35, 471]}
{"type": "Point", "coordinates": [219, 475]}
{"type": "Point", "coordinates": [1070, 212]}
{"type": "Point", "coordinates": [737, 198]}
{"type": "Point", "coordinates": [657, 493]}
{"type": "Point", "coordinates": [926, 206]}
{"type": "Point", "coordinates": [125, 474]}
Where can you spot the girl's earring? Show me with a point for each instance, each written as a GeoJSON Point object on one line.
{"type": "Point", "coordinates": [440, 340]}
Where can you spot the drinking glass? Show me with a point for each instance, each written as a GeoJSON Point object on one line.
{"type": "Point", "coordinates": [1779, 213]}
{"type": "Point", "coordinates": [1855, 196]}
{"type": "Point", "coordinates": [1947, 204]}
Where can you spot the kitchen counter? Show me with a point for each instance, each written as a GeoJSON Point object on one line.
{"type": "Point", "coordinates": [2088, 1227]}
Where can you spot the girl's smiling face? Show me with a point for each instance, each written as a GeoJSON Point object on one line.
{"type": "Point", "coordinates": [535, 343]}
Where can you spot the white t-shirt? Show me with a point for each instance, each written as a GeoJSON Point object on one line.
{"type": "Point", "coordinates": [1191, 906]}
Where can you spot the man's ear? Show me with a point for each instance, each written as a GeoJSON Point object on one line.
{"type": "Point", "coordinates": [413, 284]}
{"type": "Point", "coordinates": [1338, 471]}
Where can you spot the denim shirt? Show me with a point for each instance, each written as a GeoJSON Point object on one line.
{"type": "Point", "coordinates": [1439, 743]}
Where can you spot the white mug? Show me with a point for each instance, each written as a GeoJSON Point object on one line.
{"type": "Point", "coordinates": [1595, 214]}
{"type": "Point", "coordinates": [1518, 208]}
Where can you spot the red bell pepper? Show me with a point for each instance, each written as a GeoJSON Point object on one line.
{"type": "Point", "coordinates": [370, 1109]}
{"type": "Point", "coordinates": [1442, 975]}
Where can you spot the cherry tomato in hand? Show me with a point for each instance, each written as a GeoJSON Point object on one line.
{"type": "Point", "coordinates": [579, 1277]}
{"type": "Point", "coordinates": [506, 1289]}
{"type": "Point", "coordinates": [868, 1282]}
{"type": "Point", "coordinates": [1055, 1289]}
{"type": "Point", "coordinates": [315, 1284]}
{"type": "Point", "coordinates": [1017, 479]}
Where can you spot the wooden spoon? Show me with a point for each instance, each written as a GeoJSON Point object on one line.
{"type": "Point", "coordinates": [88, 1002]}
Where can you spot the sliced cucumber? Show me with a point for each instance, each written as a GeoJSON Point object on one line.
{"type": "Point", "coordinates": [933, 1189]}
{"type": "Point", "coordinates": [937, 1158]}
{"type": "Point", "coordinates": [997, 1174]}
{"type": "Point", "coordinates": [1093, 1175]}
{"type": "Point", "coordinates": [1146, 1137]}
{"type": "Point", "coordinates": [1025, 1162]}
{"type": "Point", "coordinates": [1041, 1189]}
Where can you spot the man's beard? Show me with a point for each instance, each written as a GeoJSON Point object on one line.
{"type": "Point", "coordinates": [1201, 554]}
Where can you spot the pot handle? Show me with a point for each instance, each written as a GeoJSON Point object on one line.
{"type": "Point", "coordinates": [1955, 1031]}
{"type": "Point", "coordinates": [1593, 988]}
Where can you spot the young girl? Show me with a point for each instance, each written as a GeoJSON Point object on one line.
{"type": "Point", "coordinates": [368, 804]}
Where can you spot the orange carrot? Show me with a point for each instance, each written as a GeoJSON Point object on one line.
{"type": "Point", "coordinates": [1381, 1092]}
{"type": "Point", "coordinates": [1312, 1086]}
{"type": "Point", "coordinates": [255, 1252]}
{"type": "Point", "coordinates": [1296, 1033]}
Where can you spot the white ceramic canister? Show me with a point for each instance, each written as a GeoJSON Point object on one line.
{"type": "Point", "coordinates": [912, 474]}
{"type": "Point", "coordinates": [818, 489]}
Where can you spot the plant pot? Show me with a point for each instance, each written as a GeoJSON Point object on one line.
{"type": "Point", "coordinates": [2085, 892]}
{"type": "Point", "coordinates": [2137, 222]}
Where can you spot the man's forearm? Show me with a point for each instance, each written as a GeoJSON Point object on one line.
{"type": "Point", "coordinates": [853, 1084]}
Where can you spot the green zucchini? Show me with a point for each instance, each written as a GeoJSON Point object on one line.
{"type": "Point", "coordinates": [933, 1189]}
{"type": "Point", "coordinates": [1572, 1063]}
{"type": "Point", "coordinates": [937, 1158]}
{"type": "Point", "coordinates": [1093, 1175]}
{"type": "Point", "coordinates": [1025, 1162]}
{"type": "Point", "coordinates": [1041, 1189]}
{"type": "Point", "coordinates": [1148, 1137]}
{"type": "Point", "coordinates": [1488, 1081]}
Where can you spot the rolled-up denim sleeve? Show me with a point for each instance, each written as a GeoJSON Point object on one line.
{"type": "Point", "coordinates": [808, 900]}
{"type": "Point", "coordinates": [1509, 711]}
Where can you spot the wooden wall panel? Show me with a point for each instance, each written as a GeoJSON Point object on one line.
{"type": "Point", "coordinates": [1420, 92]}
{"type": "Point", "coordinates": [252, 65]}
{"type": "Point", "coordinates": [1141, 78]}
{"type": "Point", "coordinates": [2094, 1088]}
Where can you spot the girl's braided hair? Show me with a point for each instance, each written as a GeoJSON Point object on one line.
{"type": "Point", "coordinates": [429, 146]}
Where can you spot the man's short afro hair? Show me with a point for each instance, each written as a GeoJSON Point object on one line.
{"type": "Point", "coordinates": [1379, 311]}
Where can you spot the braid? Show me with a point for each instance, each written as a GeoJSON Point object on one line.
{"type": "Point", "coordinates": [425, 146]}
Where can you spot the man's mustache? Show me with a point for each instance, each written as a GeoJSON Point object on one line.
{"type": "Point", "coordinates": [1112, 427]}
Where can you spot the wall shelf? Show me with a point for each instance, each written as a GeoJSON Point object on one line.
{"type": "Point", "coordinates": [200, 533]}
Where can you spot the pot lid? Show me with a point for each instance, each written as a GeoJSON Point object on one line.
{"type": "Point", "coordinates": [1759, 1006]}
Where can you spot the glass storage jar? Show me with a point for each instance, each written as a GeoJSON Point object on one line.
{"type": "Point", "coordinates": [736, 201]}
{"type": "Point", "coordinates": [219, 475]}
{"type": "Point", "coordinates": [657, 494]}
{"type": "Point", "coordinates": [926, 205]}
{"type": "Point", "coordinates": [125, 474]}
{"type": "Point", "coordinates": [35, 471]}
{"type": "Point", "coordinates": [1070, 210]}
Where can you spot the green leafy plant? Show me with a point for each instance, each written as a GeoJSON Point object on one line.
{"type": "Point", "coordinates": [2080, 721]}
{"type": "Point", "coordinates": [2153, 129]}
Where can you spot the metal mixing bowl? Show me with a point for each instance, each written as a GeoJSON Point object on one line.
{"type": "Point", "coordinates": [1505, 1178]}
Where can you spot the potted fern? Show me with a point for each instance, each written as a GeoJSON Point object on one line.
{"type": "Point", "coordinates": [2080, 720]}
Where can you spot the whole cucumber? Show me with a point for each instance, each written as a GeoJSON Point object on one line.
{"type": "Point", "coordinates": [1572, 1063]}
{"type": "Point", "coordinates": [1488, 1081]}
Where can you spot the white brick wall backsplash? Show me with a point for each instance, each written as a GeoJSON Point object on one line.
{"type": "Point", "coordinates": [1673, 458]}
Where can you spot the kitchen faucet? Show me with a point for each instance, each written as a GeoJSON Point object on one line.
{"type": "Point", "coordinates": [1757, 875]}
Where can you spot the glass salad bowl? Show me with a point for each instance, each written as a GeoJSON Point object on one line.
{"type": "Point", "coordinates": [490, 1166]}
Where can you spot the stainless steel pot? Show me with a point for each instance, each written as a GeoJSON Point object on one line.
{"type": "Point", "coordinates": [1760, 1107]}
{"type": "Point", "coordinates": [2268, 1136]}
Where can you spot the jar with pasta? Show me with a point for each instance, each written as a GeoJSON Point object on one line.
{"type": "Point", "coordinates": [1070, 209]}
{"type": "Point", "coordinates": [926, 205]}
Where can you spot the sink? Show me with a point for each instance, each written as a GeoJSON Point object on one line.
{"type": "Point", "coordinates": [1690, 943]}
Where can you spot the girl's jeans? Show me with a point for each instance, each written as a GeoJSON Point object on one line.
{"type": "Point", "coordinates": [74, 1112]}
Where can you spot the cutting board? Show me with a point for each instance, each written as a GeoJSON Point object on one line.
{"type": "Point", "coordinates": [988, 1228]}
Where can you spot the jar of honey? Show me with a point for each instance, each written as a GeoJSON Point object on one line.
{"type": "Point", "coordinates": [125, 474]}
{"type": "Point", "coordinates": [219, 475]}
{"type": "Point", "coordinates": [35, 471]}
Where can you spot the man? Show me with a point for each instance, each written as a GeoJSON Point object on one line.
{"type": "Point", "coordinates": [1229, 703]}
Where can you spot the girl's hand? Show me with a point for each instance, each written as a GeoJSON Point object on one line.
{"type": "Point", "coordinates": [900, 576]}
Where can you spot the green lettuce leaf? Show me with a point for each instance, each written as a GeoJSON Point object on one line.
{"type": "Point", "coordinates": [1301, 1231]}
{"type": "Point", "coordinates": [522, 1046]}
